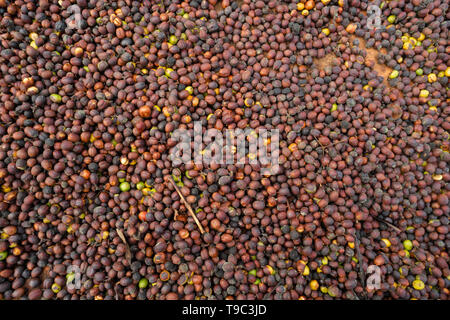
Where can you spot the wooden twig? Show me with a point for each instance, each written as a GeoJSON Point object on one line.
{"type": "Point", "coordinates": [321, 145]}
{"type": "Point", "coordinates": [355, 295]}
{"type": "Point", "coordinates": [361, 273]}
{"type": "Point", "coordinates": [266, 296]}
{"type": "Point", "coordinates": [389, 224]}
{"type": "Point", "coordinates": [187, 206]}
{"type": "Point", "coordinates": [128, 251]}
{"type": "Point", "coordinates": [332, 144]}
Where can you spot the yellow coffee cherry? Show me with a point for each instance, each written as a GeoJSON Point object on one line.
{"type": "Point", "coordinates": [418, 284]}
{"type": "Point", "coordinates": [386, 242]}
{"type": "Point", "coordinates": [407, 46]}
{"type": "Point", "coordinates": [314, 285]}
{"type": "Point", "coordinates": [424, 93]}
{"type": "Point", "coordinates": [432, 78]}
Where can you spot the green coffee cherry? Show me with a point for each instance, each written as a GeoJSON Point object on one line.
{"type": "Point", "coordinates": [55, 98]}
{"type": "Point", "coordinates": [124, 186]}
{"type": "Point", "coordinates": [394, 74]}
{"type": "Point", "coordinates": [3, 255]}
{"type": "Point", "coordinates": [70, 277]}
{"type": "Point", "coordinates": [140, 185]}
{"type": "Point", "coordinates": [407, 244]}
{"type": "Point", "coordinates": [173, 40]}
{"type": "Point", "coordinates": [143, 283]}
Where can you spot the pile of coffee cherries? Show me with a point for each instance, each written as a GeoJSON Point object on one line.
{"type": "Point", "coordinates": [93, 207]}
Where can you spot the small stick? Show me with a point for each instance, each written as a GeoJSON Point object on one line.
{"type": "Point", "coordinates": [266, 296]}
{"type": "Point", "coordinates": [389, 224]}
{"type": "Point", "coordinates": [335, 143]}
{"type": "Point", "coordinates": [187, 206]}
{"type": "Point", "coordinates": [321, 145]}
{"type": "Point", "coordinates": [361, 273]}
{"type": "Point", "coordinates": [128, 251]}
{"type": "Point", "coordinates": [332, 144]}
